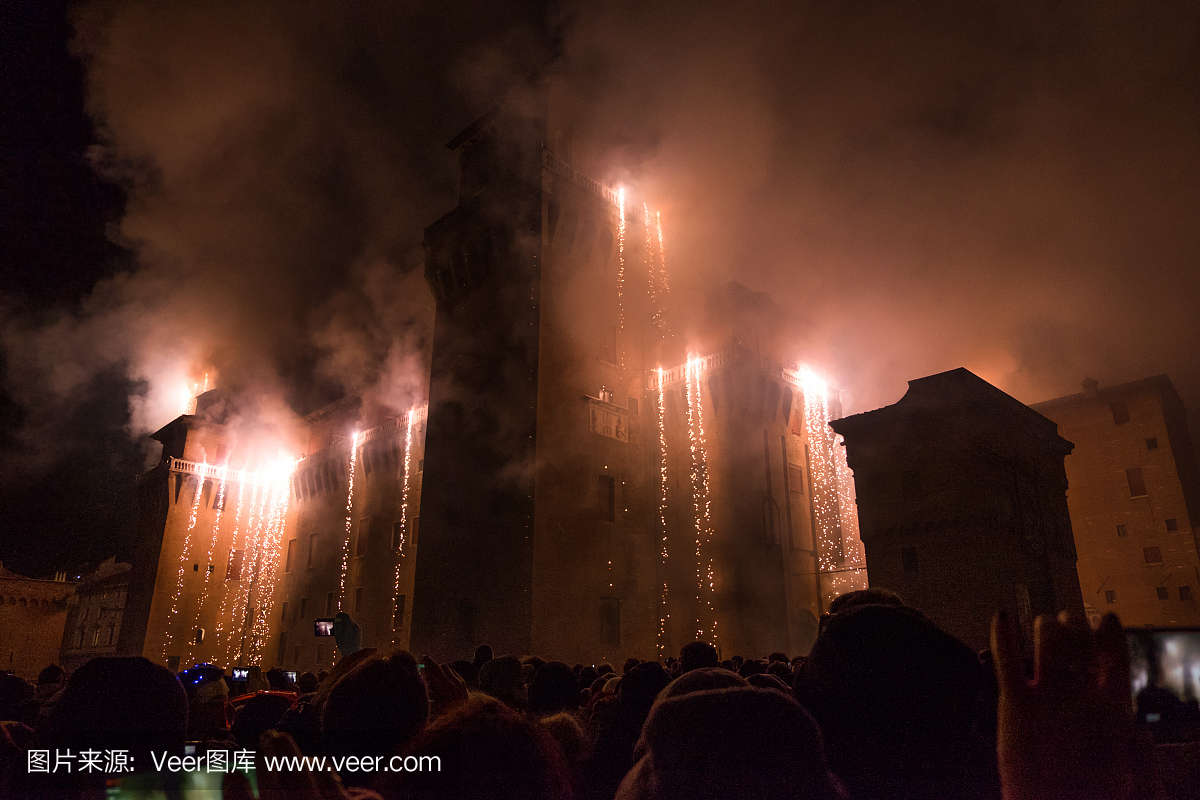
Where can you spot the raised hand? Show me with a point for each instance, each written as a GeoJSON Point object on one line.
{"type": "Point", "coordinates": [1068, 734]}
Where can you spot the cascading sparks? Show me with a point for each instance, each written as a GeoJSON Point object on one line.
{"type": "Point", "coordinates": [621, 267]}
{"type": "Point", "coordinates": [183, 557]}
{"type": "Point", "coordinates": [705, 580]}
{"type": "Point", "coordinates": [220, 632]}
{"type": "Point", "coordinates": [663, 615]}
{"type": "Point", "coordinates": [397, 623]}
{"type": "Point", "coordinates": [207, 564]}
{"type": "Point", "coordinates": [271, 553]}
{"type": "Point", "coordinates": [821, 471]}
{"type": "Point", "coordinates": [241, 603]}
{"type": "Point", "coordinates": [349, 514]}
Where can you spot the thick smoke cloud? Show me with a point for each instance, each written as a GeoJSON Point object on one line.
{"type": "Point", "coordinates": [1007, 187]}
{"type": "Point", "coordinates": [919, 186]}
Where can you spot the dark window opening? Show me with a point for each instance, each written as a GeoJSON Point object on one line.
{"type": "Point", "coordinates": [610, 622]}
{"type": "Point", "coordinates": [1122, 531]}
{"type": "Point", "coordinates": [329, 604]}
{"type": "Point", "coordinates": [1172, 525]}
{"type": "Point", "coordinates": [1137, 484]}
{"type": "Point", "coordinates": [234, 571]}
{"type": "Point", "coordinates": [908, 556]}
{"type": "Point", "coordinates": [1153, 555]}
{"type": "Point", "coordinates": [1110, 596]}
{"type": "Point", "coordinates": [1152, 443]}
{"type": "Point", "coordinates": [795, 479]}
{"type": "Point", "coordinates": [358, 596]}
{"type": "Point", "coordinates": [608, 498]}
{"type": "Point", "coordinates": [303, 611]}
{"type": "Point", "coordinates": [296, 656]}
{"type": "Point", "coordinates": [291, 552]}
{"type": "Point", "coordinates": [398, 612]}
{"type": "Point", "coordinates": [283, 609]}
{"type": "Point", "coordinates": [360, 546]}
{"type": "Point", "coordinates": [1185, 593]}
{"type": "Point", "coordinates": [1120, 412]}
{"type": "Point", "coordinates": [282, 646]}
{"type": "Point", "coordinates": [1163, 593]}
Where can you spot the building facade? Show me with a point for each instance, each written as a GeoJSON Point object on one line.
{"type": "Point", "coordinates": [600, 482]}
{"type": "Point", "coordinates": [32, 615]}
{"type": "Point", "coordinates": [592, 479]}
{"type": "Point", "coordinates": [95, 612]}
{"type": "Point", "coordinates": [1134, 499]}
{"type": "Point", "coordinates": [962, 502]}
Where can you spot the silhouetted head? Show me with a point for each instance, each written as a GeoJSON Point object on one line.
{"type": "Point", "coordinates": [483, 654]}
{"type": "Point", "coordinates": [491, 751]}
{"type": "Point", "coordinates": [895, 696]}
{"type": "Point", "coordinates": [119, 703]}
{"type": "Point", "coordinates": [280, 681]}
{"type": "Point", "coordinates": [501, 678]}
{"type": "Point", "coordinates": [751, 666]}
{"type": "Point", "coordinates": [698, 655]}
{"type": "Point", "coordinates": [52, 675]}
{"type": "Point", "coordinates": [641, 685]}
{"type": "Point", "coordinates": [699, 680]}
{"type": "Point", "coordinates": [307, 682]}
{"type": "Point", "coordinates": [375, 708]}
{"type": "Point", "coordinates": [630, 663]}
{"type": "Point", "coordinates": [258, 714]}
{"type": "Point", "coordinates": [554, 689]}
{"type": "Point", "coordinates": [876, 596]}
{"type": "Point", "coordinates": [734, 742]}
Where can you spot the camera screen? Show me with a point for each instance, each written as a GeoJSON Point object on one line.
{"type": "Point", "coordinates": [323, 627]}
{"type": "Point", "coordinates": [1164, 667]}
{"type": "Point", "coordinates": [241, 673]}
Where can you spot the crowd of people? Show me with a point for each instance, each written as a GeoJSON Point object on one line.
{"type": "Point", "coordinates": [885, 706]}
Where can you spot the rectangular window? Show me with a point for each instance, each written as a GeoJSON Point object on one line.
{"type": "Point", "coordinates": [1172, 525]}
{"type": "Point", "coordinates": [1122, 531]}
{"type": "Point", "coordinates": [1163, 594]}
{"type": "Point", "coordinates": [320, 653]}
{"type": "Point", "coordinates": [282, 647]}
{"type": "Point", "coordinates": [1153, 555]}
{"type": "Point", "coordinates": [358, 595]}
{"type": "Point", "coordinates": [1120, 412]}
{"type": "Point", "coordinates": [908, 556]}
{"type": "Point", "coordinates": [296, 656]}
{"type": "Point", "coordinates": [795, 479]}
{"type": "Point", "coordinates": [608, 498]}
{"type": "Point", "coordinates": [610, 622]}
{"type": "Point", "coordinates": [1137, 484]}
{"type": "Point", "coordinates": [1185, 593]}
{"type": "Point", "coordinates": [360, 548]}
{"type": "Point", "coordinates": [398, 612]}
{"type": "Point", "coordinates": [283, 608]}
{"type": "Point", "coordinates": [303, 611]}
{"type": "Point", "coordinates": [291, 553]}
{"type": "Point", "coordinates": [1152, 443]}
{"type": "Point", "coordinates": [1110, 596]}
{"type": "Point", "coordinates": [329, 604]}
{"type": "Point", "coordinates": [312, 551]}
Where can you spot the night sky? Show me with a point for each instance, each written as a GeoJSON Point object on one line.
{"type": "Point", "coordinates": [1009, 187]}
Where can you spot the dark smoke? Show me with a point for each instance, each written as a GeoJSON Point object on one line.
{"type": "Point", "coordinates": [1011, 187]}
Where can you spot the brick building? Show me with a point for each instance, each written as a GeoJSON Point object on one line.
{"type": "Point", "coordinates": [962, 503]}
{"type": "Point", "coordinates": [93, 624]}
{"type": "Point", "coordinates": [591, 481]}
{"type": "Point", "coordinates": [32, 615]}
{"type": "Point", "coordinates": [553, 483]}
{"type": "Point", "coordinates": [1134, 498]}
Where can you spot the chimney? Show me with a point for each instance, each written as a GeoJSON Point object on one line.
{"type": "Point", "coordinates": [1091, 387]}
